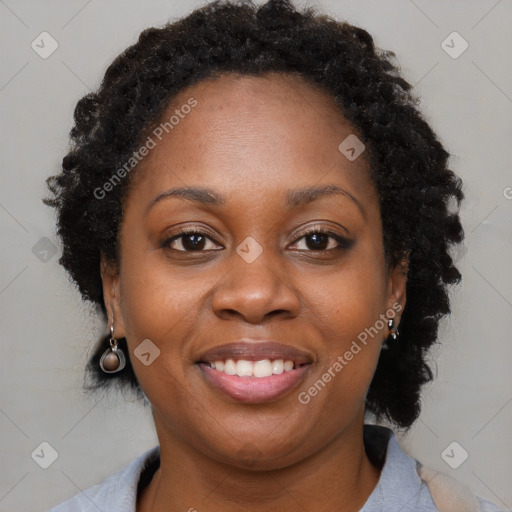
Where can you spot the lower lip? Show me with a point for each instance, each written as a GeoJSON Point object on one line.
{"type": "Point", "coordinates": [254, 390]}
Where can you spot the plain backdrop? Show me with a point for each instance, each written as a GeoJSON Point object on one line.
{"type": "Point", "coordinates": [47, 332]}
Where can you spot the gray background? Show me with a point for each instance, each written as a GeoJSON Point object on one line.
{"type": "Point", "coordinates": [46, 331]}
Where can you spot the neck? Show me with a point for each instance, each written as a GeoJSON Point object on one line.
{"type": "Point", "coordinates": [338, 477]}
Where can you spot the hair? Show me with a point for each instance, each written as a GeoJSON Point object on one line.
{"type": "Point", "coordinates": [408, 164]}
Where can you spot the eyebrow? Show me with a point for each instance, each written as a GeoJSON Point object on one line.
{"type": "Point", "coordinates": [200, 195]}
{"type": "Point", "coordinates": [294, 198]}
{"type": "Point", "coordinates": [301, 196]}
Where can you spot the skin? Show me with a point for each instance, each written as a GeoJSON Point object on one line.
{"type": "Point", "coordinates": [252, 139]}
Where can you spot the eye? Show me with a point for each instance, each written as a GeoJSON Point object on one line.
{"type": "Point", "coordinates": [189, 241]}
{"type": "Point", "coordinates": [315, 240]}
{"type": "Point", "coordinates": [321, 240]}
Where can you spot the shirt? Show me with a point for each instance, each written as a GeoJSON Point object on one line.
{"type": "Point", "coordinates": [404, 484]}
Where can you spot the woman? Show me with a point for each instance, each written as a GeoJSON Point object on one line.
{"type": "Point", "coordinates": [263, 216]}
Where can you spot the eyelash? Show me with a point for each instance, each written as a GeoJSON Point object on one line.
{"type": "Point", "coordinates": [343, 242]}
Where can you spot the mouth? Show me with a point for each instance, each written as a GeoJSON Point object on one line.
{"type": "Point", "coordinates": [254, 371]}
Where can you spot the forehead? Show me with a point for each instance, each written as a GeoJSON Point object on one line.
{"type": "Point", "coordinates": [258, 133]}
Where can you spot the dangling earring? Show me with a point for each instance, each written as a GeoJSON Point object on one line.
{"type": "Point", "coordinates": [112, 360]}
{"type": "Point", "coordinates": [393, 334]}
{"type": "Point", "coordinates": [391, 340]}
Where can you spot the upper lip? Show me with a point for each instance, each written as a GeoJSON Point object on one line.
{"type": "Point", "coordinates": [256, 350]}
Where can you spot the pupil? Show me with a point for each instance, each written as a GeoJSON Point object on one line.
{"type": "Point", "coordinates": [193, 245]}
{"type": "Point", "coordinates": [320, 239]}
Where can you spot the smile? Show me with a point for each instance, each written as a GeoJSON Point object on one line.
{"type": "Point", "coordinates": [252, 371]}
{"type": "Point", "coordinates": [254, 390]}
{"type": "Point", "coordinates": [256, 369]}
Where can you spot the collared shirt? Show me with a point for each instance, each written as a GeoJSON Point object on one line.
{"type": "Point", "coordinates": [404, 485]}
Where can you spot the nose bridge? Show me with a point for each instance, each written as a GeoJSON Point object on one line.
{"type": "Point", "coordinates": [253, 287]}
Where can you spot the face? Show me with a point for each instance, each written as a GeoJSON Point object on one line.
{"type": "Point", "coordinates": [268, 260]}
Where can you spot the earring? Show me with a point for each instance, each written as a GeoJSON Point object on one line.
{"type": "Point", "coordinates": [393, 334]}
{"type": "Point", "coordinates": [391, 340]}
{"type": "Point", "coordinates": [112, 360]}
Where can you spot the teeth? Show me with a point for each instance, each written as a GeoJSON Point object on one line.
{"type": "Point", "coordinates": [262, 368]}
{"type": "Point", "coordinates": [258, 369]}
{"type": "Point", "coordinates": [278, 367]}
{"type": "Point", "coordinates": [230, 367]}
{"type": "Point", "coordinates": [244, 368]}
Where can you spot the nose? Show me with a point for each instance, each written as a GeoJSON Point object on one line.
{"type": "Point", "coordinates": [255, 291]}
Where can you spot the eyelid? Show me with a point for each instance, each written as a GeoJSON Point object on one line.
{"type": "Point", "coordinates": [188, 231]}
{"type": "Point", "coordinates": [343, 241]}
{"type": "Point", "coordinates": [322, 229]}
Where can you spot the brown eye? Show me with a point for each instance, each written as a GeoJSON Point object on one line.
{"type": "Point", "coordinates": [189, 241]}
{"type": "Point", "coordinates": [318, 240]}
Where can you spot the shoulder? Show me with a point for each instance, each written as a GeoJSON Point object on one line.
{"type": "Point", "coordinates": [406, 485]}
{"type": "Point", "coordinates": [450, 495]}
{"type": "Point", "coordinates": [118, 492]}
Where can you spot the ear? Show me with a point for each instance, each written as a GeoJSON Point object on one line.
{"type": "Point", "coordinates": [397, 282]}
{"type": "Point", "coordinates": [111, 295]}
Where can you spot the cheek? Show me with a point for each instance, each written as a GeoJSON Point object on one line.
{"type": "Point", "coordinates": [344, 310]}
{"type": "Point", "coordinates": [160, 304]}
{"type": "Point", "coordinates": [353, 297]}
{"type": "Point", "coordinates": [348, 311]}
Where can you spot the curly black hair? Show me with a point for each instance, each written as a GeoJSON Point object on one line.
{"type": "Point", "coordinates": [408, 163]}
